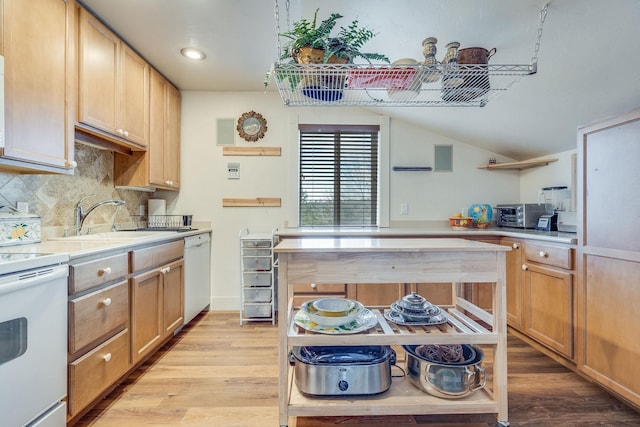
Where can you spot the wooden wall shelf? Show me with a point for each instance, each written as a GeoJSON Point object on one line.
{"type": "Point", "coordinates": [251, 202]}
{"type": "Point", "coordinates": [525, 164]}
{"type": "Point", "coordinates": [251, 151]}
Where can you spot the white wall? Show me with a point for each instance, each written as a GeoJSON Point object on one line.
{"type": "Point", "coordinates": [430, 195]}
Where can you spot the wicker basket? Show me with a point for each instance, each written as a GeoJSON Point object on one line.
{"type": "Point", "coordinates": [460, 223]}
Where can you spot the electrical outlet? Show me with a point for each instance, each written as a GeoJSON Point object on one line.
{"type": "Point", "coordinates": [22, 207]}
{"type": "Point", "coordinates": [404, 209]}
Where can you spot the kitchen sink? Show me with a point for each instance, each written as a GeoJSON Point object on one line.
{"type": "Point", "coordinates": [113, 235]}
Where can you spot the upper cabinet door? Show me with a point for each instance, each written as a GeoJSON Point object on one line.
{"type": "Point", "coordinates": [39, 38]}
{"type": "Point", "coordinates": [98, 54]}
{"type": "Point", "coordinates": [134, 101]}
{"type": "Point", "coordinates": [113, 86]}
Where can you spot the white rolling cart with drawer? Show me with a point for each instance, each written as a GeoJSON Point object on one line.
{"type": "Point", "coordinates": [257, 276]}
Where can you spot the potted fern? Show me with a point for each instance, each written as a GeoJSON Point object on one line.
{"type": "Point", "coordinates": [311, 42]}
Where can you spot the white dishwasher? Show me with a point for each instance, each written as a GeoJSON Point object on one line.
{"type": "Point", "coordinates": [197, 275]}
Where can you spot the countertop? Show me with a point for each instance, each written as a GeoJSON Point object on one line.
{"type": "Point", "coordinates": [77, 247]}
{"type": "Point", "coordinates": [429, 229]}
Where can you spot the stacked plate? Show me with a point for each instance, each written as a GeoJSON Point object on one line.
{"type": "Point", "coordinates": [413, 309]}
{"type": "Point", "coordinates": [334, 316]}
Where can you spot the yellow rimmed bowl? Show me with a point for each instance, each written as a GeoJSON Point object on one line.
{"type": "Point", "coordinates": [332, 313]}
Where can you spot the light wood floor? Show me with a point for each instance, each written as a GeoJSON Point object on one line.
{"type": "Point", "coordinates": [217, 373]}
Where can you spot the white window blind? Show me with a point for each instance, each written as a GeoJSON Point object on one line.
{"type": "Point", "coordinates": [338, 175]}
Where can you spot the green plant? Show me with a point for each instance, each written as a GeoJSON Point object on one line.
{"type": "Point", "coordinates": [345, 44]}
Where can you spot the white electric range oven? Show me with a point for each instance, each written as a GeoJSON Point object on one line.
{"type": "Point", "coordinates": [33, 338]}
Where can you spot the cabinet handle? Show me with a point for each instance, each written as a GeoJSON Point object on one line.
{"type": "Point", "coordinates": [107, 357]}
{"type": "Point", "coordinates": [120, 131]}
{"type": "Point", "coordinates": [106, 302]}
{"type": "Point", "coordinates": [515, 246]}
{"type": "Point", "coordinates": [313, 286]}
{"type": "Point", "coordinates": [165, 270]}
{"type": "Point", "coordinates": [168, 182]}
{"type": "Point", "coordinates": [525, 267]}
{"type": "Point", "coordinates": [543, 254]}
{"type": "Point", "coordinates": [104, 271]}
{"type": "Point", "coordinates": [71, 164]}
{"type": "Point", "coordinates": [126, 133]}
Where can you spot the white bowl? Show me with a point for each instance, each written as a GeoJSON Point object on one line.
{"type": "Point", "coordinates": [333, 307]}
{"type": "Point", "coordinates": [331, 321]}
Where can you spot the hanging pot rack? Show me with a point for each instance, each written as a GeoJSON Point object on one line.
{"type": "Point", "coordinates": [414, 85]}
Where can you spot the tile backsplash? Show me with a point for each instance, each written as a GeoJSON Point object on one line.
{"type": "Point", "coordinates": [54, 197]}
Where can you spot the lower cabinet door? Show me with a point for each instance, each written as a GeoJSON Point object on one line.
{"type": "Point", "coordinates": [93, 373]}
{"type": "Point", "coordinates": [173, 315]}
{"type": "Point", "coordinates": [147, 305]}
{"type": "Point", "coordinates": [549, 307]}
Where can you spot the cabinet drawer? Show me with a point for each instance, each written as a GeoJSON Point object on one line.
{"type": "Point", "coordinates": [320, 289]}
{"type": "Point", "coordinates": [94, 315]}
{"type": "Point", "coordinates": [556, 256]}
{"type": "Point", "coordinates": [257, 294]}
{"type": "Point", "coordinates": [86, 275]}
{"type": "Point", "coordinates": [142, 259]}
{"type": "Point", "coordinates": [254, 263]}
{"type": "Point", "coordinates": [256, 243]}
{"type": "Point", "coordinates": [256, 279]}
{"type": "Point", "coordinates": [94, 372]}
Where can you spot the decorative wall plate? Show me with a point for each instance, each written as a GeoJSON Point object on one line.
{"type": "Point", "coordinates": [251, 126]}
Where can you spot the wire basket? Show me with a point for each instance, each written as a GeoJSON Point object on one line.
{"type": "Point", "coordinates": [162, 221]}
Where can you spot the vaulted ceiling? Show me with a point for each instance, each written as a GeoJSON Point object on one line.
{"type": "Point", "coordinates": [588, 62]}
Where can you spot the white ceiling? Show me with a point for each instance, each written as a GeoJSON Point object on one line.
{"type": "Point", "coordinates": [588, 63]}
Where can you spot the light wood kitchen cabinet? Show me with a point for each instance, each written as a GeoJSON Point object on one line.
{"type": "Point", "coordinates": [548, 295]}
{"type": "Point", "coordinates": [113, 86]}
{"type": "Point", "coordinates": [157, 296]}
{"type": "Point", "coordinates": [98, 327]}
{"type": "Point", "coordinates": [38, 44]}
{"type": "Point", "coordinates": [514, 282]}
{"type": "Point", "coordinates": [387, 293]}
{"type": "Point", "coordinates": [164, 149]}
{"type": "Point", "coordinates": [609, 254]}
{"type": "Point", "coordinates": [159, 166]}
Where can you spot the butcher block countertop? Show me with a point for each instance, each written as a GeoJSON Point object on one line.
{"type": "Point", "coordinates": [428, 229]}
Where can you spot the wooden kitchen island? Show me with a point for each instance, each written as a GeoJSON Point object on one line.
{"type": "Point", "coordinates": [396, 260]}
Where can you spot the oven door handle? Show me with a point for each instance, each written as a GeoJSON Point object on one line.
{"type": "Point", "coordinates": [35, 278]}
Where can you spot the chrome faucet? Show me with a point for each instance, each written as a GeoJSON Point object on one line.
{"type": "Point", "coordinates": [81, 214]}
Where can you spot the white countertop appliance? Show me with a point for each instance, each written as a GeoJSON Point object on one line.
{"type": "Point", "coordinates": [33, 339]}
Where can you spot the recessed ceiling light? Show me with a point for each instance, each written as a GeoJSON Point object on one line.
{"type": "Point", "coordinates": [192, 53]}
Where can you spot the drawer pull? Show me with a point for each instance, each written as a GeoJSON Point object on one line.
{"type": "Point", "coordinates": [107, 357]}
{"type": "Point", "coordinates": [313, 286]}
{"type": "Point", "coordinates": [104, 271]}
{"type": "Point", "coordinates": [525, 267]}
{"type": "Point", "coordinates": [106, 302]}
{"type": "Point", "coordinates": [515, 246]}
{"type": "Point", "coordinates": [543, 254]}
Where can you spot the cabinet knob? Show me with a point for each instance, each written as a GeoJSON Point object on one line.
{"type": "Point", "coordinates": [543, 254]}
{"type": "Point", "coordinates": [107, 357]}
{"type": "Point", "coordinates": [104, 271]}
{"type": "Point", "coordinates": [313, 286]}
{"type": "Point", "coordinates": [168, 182]}
{"type": "Point", "coordinates": [525, 267]}
{"type": "Point", "coordinates": [126, 133]}
{"type": "Point", "coordinates": [165, 270]}
{"type": "Point", "coordinates": [120, 131]}
{"type": "Point", "coordinates": [515, 246]}
{"type": "Point", "coordinates": [71, 164]}
{"type": "Point", "coordinates": [106, 302]}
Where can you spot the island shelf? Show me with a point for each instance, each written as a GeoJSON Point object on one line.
{"type": "Point", "coordinates": [396, 260]}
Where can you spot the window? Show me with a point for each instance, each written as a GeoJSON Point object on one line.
{"type": "Point", "coordinates": [338, 175]}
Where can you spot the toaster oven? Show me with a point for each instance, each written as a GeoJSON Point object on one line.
{"type": "Point", "coordinates": [519, 215]}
